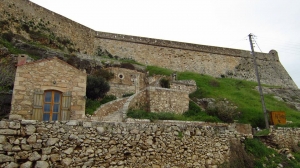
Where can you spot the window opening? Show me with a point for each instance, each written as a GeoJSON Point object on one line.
{"type": "Point", "coordinates": [52, 105]}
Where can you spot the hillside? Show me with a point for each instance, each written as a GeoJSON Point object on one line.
{"type": "Point", "coordinates": [241, 96]}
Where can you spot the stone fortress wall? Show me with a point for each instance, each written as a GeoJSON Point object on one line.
{"type": "Point", "coordinates": [209, 60]}
{"type": "Point", "coordinates": [29, 143]}
{"type": "Point", "coordinates": [25, 10]}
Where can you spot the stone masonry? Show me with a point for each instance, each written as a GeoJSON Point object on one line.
{"type": "Point", "coordinates": [126, 81]}
{"type": "Point", "coordinates": [48, 74]}
{"type": "Point", "coordinates": [29, 143]}
{"type": "Point", "coordinates": [202, 59]}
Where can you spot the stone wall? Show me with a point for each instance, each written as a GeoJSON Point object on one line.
{"type": "Point", "coordinates": [28, 143]}
{"type": "Point", "coordinates": [155, 99]}
{"type": "Point", "coordinates": [108, 108]}
{"type": "Point", "coordinates": [24, 10]}
{"type": "Point", "coordinates": [184, 85]}
{"type": "Point", "coordinates": [126, 81]}
{"type": "Point", "coordinates": [168, 100]}
{"type": "Point", "coordinates": [284, 137]}
{"type": "Point", "coordinates": [213, 61]}
{"type": "Point", "coordinates": [139, 101]}
{"type": "Point", "coordinates": [47, 74]}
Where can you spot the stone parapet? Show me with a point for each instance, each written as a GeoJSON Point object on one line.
{"type": "Point", "coordinates": [109, 108]}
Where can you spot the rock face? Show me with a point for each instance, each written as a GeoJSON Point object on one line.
{"type": "Point", "coordinates": [290, 96]}
{"type": "Point", "coordinates": [135, 144]}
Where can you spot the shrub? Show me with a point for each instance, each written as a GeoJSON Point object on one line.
{"type": "Point", "coordinates": [8, 36]}
{"type": "Point", "coordinates": [104, 74]}
{"type": "Point", "coordinates": [91, 106]}
{"type": "Point", "coordinates": [96, 87]}
{"type": "Point", "coordinates": [165, 83]}
{"type": "Point", "coordinates": [224, 111]}
{"type": "Point", "coordinates": [142, 114]}
{"type": "Point", "coordinates": [127, 65]}
{"type": "Point", "coordinates": [107, 99]}
{"type": "Point", "coordinates": [127, 94]}
{"type": "Point", "coordinates": [7, 73]}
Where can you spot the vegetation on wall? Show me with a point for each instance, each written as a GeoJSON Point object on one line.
{"type": "Point", "coordinates": [241, 93]}
{"type": "Point", "coordinates": [193, 114]}
{"type": "Point", "coordinates": [92, 105]}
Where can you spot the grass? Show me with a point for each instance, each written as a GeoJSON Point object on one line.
{"type": "Point", "coordinates": [242, 93]}
{"type": "Point", "coordinates": [154, 70]}
{"type": "Point", "coordinates": [92, 105]}
{"type": "Point", "coordinates": [268, 157]}
{"type": "Point", "coordinates": [14, 50]}
{"type": "Point", "coordinates": [263, 132]}
{"type": "Point", "coordinates": [193, 114]}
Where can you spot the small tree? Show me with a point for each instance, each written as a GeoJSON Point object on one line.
{"type": "Point", "coordinates": [97, 87]}
{"type": "Point", "coordinates": [7, 73]}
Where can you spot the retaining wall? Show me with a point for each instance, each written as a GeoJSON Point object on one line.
{"type": "Point", "coordinates": [100, 144]}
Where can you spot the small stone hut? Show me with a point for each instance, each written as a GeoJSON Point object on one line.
{"type": "Point", "coordinates": [48, 90]}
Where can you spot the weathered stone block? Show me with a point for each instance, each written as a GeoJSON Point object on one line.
{"type": "Point", "coordinates": [28, 122]}
{"type": "Point", "coordinates": [27, 164]}
{"type": "Point", "coordinates": [5, 158]}
{"type": "Point", "coordinates": [8, 132]}
{"type": "Point", "coordinates": [34, 156]}
{"type": "Point", "coordinates": [3, 124]}
{"type": "Point", "coordinates": [52, 141]}
{"type": "Point", "coordinates": [30, 129]}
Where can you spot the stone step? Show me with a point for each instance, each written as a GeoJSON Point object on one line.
{"type": "Point", "coordinates": [115, 116]}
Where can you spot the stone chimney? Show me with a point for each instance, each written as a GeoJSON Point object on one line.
{"type": "Point", "coordinates": [22, 59]}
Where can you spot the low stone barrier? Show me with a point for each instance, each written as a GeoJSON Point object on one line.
{"type": "Point", "coordinates": [29, 143]}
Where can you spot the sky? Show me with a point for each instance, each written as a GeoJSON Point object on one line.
{"type": "Point", "coordinates": [223, 23]}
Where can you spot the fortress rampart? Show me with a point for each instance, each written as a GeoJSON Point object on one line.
{"type": "Point", "coordinates": [178, 56]}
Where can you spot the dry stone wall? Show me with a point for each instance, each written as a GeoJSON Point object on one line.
{"type": "Point", "coordinates": [28, 143]}
{"type": "Point", "coordinates": [184, 85]}
{"type": "Point", "coordinates": [284, 137]}
{"type": "Point", "coordinates": [108, 108]}
{"type": "Point", "coordinates": [168, 100]}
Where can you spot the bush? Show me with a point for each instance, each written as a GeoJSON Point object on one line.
{"type": "Point", "coordinates": [107, 99]}
{"type": "Point", "coordinates": [7, 73]}
{"type": "Point", "coordinates": [224, 111]}
{"type": "Point", "coordinates": [104, 74]}
{"type": "Point", "coordinates": [8, 36]}
{"type": "Point", "coordinates": [141, 114]}
{"type": "Point", "coordinates": [96, 87]}
{"type": "Point", "coordinates": [91, 106]}
{"type": "Point", "coordinates": [165, 83]}
{"type": "Point", "coordinates": [127, 66]}
{"type": "Point", "coordinates": [127, 94]}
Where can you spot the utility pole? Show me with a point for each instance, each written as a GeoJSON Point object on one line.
{"type": "Point", "coordinates": [259, 85]}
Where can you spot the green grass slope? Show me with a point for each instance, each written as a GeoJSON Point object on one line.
{"type": "Point", "coordinates": [240, 92]}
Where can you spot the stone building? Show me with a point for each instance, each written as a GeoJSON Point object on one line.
{"type": "Point", "coordinates": [49, 90]}
{"type": "Point", "coordinates": [126, 81]}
